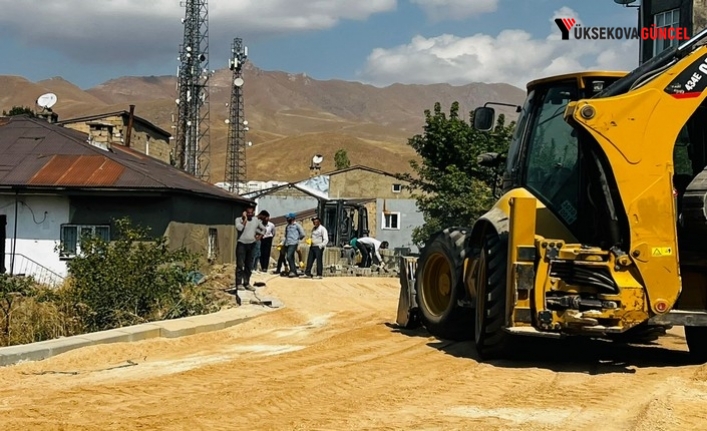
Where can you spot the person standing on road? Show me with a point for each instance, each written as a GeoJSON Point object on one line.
{"type": "Point", "coordinates": [266, 240]}
{"type": "Point", "coordinates": [249, 230]}
{"type": "Point", "coordinates": [373, 247]}
{"type": "Point", "coordinates": [294, 233]}
{"type": "Point", "coordinates": [320, 239]}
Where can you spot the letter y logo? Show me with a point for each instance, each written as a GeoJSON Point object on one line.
{"type": "Point", "coordinates": [565, 25]}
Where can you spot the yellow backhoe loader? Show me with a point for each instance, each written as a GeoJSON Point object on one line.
{"type": "Point", "coordinates": [601, 227]}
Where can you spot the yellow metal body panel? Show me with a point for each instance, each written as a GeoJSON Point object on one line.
{"type": "Point", "coordinates": [637, 131]}
{"type": "Point", "coordinates": [521, 233]}
{"type": "Point", "coordinates": [547, 224]}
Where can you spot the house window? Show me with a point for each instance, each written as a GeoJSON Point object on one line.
{"type": "Point", "coordinates": [397, 188]}
{"type": "Point", "coordinates": [391, 221]}
{"type": "Point", "coordinates": [213, 243]}
{"type": "Point", "coordinates": [71, 235]}
{"type": "Point", "coordinates": [665, 19]}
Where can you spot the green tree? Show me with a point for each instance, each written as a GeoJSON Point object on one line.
{"type": "Point", "coordinates": [450, 187]}
{"type": "Point", "coordinates": [18, 110]}
{"type": "Point", "coordinates": [341, 159]}
{"type": "Point", "coordinates": [133, 279]}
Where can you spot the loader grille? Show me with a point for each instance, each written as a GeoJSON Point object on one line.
{"type": "Point", "coordinates": [572, 273]}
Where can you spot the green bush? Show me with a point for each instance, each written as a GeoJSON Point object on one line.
{"type": "Point", "coordinates": [133, 279]}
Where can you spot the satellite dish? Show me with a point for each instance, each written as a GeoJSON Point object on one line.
{"type": "Point", "coordinates": [238, 82]}
{"type": "Point", "coordinates": [317, 159]}
{"type": "Point", "coordinates": [47, 100]}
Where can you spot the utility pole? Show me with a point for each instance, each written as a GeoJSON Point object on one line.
{"type": "Point", "coordinates": [237, 125]}
{"type": "Point", "coordinates": [192, 141]}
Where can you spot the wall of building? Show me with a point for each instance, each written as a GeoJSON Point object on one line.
{"type": "Point", "coordinates": [280, 205]}
{"type": "Point", "coordinates": [39, 220]}
{"type": "Point", "coordinates": [699, 15]}
{"type": "Point", "coordinates": [195, 237]}
{"type": "Point", "coordinates": [184, 219]}
{"type": "Point", "coordinates": [147, 141]}
{"type": "Point", "coordinates": [360, 183]}
{"type": "Point", "coordinates": [651, 7]}
{"type": "Point", "coordinates": [143, 139]}
{"type": "Point", "coordinates": [409, 218]}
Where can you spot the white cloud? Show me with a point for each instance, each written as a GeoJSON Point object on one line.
{"type": "Point", "coordinates": [133, 30]}
{"type": "Point", "coordinates": [513, 56]}
{"type": "Point", "coordinates": [455, 9]}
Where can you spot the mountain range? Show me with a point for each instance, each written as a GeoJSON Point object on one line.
{"type": "Point", "coordinates": [291, 116]}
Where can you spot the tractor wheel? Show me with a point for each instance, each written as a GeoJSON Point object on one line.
{"type": "Point", "coordinates": [696, 339]}
{"type": "Point", "coordinates": [491, 340]}
{"type": "Point", "coordinates": [440, 286]}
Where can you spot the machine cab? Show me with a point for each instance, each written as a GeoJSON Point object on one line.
{"type": "Point", "coordinates": [545, 156]}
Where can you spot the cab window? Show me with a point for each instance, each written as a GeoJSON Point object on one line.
{"type": "Point", "coordinates": [552, 171]}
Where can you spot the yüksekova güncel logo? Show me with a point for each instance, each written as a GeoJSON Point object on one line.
{"type": "Point", "coordinates": [570, 29]}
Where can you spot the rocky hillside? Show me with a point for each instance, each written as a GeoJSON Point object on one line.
{"type": "Point", "coordinates": [291, 116]}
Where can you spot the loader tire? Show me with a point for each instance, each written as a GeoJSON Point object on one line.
{"type": "Point", "coordinates": [439, 286]}
{"type": "Point", "coordinates": [491, 341]}
{"type": "Point", "coordinates": [696, 339]}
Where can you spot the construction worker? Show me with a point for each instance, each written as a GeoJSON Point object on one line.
{"type": "Point", "coordinates": [294, 233]}
{"type": "Point", "coordinates": [373, 247]}
{"type": "Point", "coordinates": [318, 241]}
{"type": "Point", "coordinates": [265, 242]}
{"type": "Point", "coordinates": [249, 229]}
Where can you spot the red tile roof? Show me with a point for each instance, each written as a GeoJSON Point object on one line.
{"type": "Point", "coordinates": [35, 153]}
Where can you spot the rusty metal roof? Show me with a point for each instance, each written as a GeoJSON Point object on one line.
{"type": "Point", "coordinates": [37, 154]}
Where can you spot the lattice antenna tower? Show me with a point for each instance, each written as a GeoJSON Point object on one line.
{"type": "Point", "coordinates": [237, 124]}
{"type": "Point", "coordinates": [192, 144]}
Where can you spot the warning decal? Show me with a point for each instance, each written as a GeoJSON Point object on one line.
{"type": "Point", "coordinates": [691, 82]}
{"type": "Point", "coordinates": [661, 251]}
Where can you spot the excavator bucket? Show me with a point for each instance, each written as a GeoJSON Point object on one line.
{"type": "Point", "coordinates": [407, 305]}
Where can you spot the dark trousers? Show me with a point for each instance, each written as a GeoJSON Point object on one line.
{"type": "Point", "coordinates": [365, 255]}
{"type": "Point", "coordinates": [315, 253]}
{"type": "Point", "coordinates": [265, 249]}
{"type": "Point", "coordinates": [291, 249]}
{"type": "Point", "coordinates": [244, 263]}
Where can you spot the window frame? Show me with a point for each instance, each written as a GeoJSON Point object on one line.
{"type": "Point", "coordinates": [63, 254]}
{"type": "Point", "coordinates": [384, 224]}
{"type": "Point", "coordinates": [399, 188]}
{"type": "Point", "coordinates": [673, 23]}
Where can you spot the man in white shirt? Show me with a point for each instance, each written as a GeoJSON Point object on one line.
{"type": "Point", "coordinates": [266, 240]}
{"type": "Point", "coordinates": [373, 246]}
{"type": "Point", "coordinates": [320, 239]}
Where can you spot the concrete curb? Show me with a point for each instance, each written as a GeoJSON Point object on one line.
{"type": "Point", "coordinates": [163, 329]}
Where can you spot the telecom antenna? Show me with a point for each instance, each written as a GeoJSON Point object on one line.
{"type": "Point", "coordinates": [192, 141]}
{"type": "Point", "coordinates": [237, 124]}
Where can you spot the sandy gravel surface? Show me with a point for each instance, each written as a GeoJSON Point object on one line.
{"type": "Point", "coordinates": [332, 360]}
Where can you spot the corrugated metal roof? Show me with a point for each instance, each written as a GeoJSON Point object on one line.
{"type": "Point", "coordinates": [40, 154]}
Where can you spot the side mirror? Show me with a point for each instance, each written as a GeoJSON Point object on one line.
{"type": "Point", "coordinates": [484, 118]}
{"type": "Point", "coordinates": [490, 160]}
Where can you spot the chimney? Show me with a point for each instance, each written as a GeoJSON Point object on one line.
{"type": "Point", "coordinates": [100, 135]}
{"type": "Point", "coordinates": [48, 115]}
{"type": "Point", "coordinates": [129, 132]}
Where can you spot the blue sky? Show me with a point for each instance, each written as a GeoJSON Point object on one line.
{"type": "Point", "coordinates": [380, 42]}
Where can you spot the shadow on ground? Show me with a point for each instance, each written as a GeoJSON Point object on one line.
{"type": "Point", "coordinates": [572, 355]}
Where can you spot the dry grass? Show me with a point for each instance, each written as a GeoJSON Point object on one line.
{"type": "Point", "coordinates": [288, 159]}
{"type": "Point", "coordinates": [51, 313]}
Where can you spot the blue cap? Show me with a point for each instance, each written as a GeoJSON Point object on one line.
{"type": "Point", "coordinates": [290, 216]}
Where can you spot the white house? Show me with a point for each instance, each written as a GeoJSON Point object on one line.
{"type": "Point", "coordinates": [56, 184]}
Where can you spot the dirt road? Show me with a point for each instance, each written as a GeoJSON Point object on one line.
{"type": "Point", "coordinates": [332, 360]}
